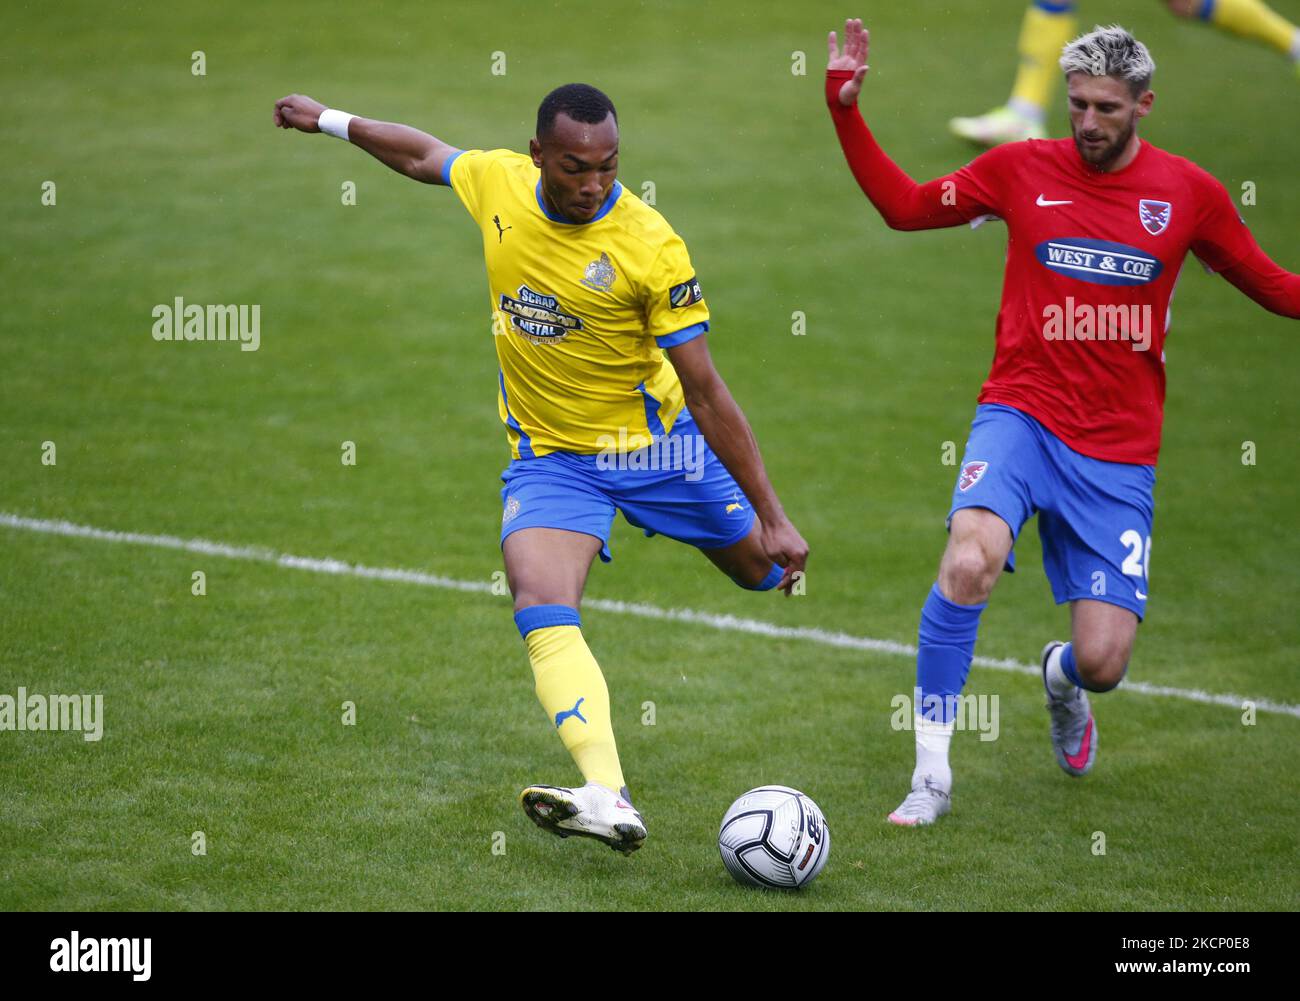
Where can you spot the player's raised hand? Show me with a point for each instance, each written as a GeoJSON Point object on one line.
{"type": "Point", "coordinates": [297, 111]}
{"type": "Point", "coordinates": [853, 58]}
{"type": "Point", "coordinates": [784, 545]}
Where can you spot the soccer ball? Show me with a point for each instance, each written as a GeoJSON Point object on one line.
{"type": "Point", "coordinates": [774, 836]}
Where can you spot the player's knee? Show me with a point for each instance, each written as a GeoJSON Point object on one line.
{"type": "Point", "coordinates": [1101, 664]}
{"type": "Point", "coordinates": [1107, 676]}
{"type": "Point", "coordinates": [1183, 8]}
{"type": "Point", "coordinates": [968, 573]}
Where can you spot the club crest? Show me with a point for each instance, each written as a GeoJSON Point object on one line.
{"type": "Point", "coordinates": [1154, 215]}
{"type": "Point", "coordinates": [600, 274]}
{"type": "Point", "coordinates": [971, 473]}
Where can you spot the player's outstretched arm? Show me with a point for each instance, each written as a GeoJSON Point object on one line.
{"type": "Point", "coordinates": [1225, 244]}
{"type": "Point", "coordinates": [1269, 284]}
{"type": "Point", "coordinates": [727, 431]}
{"type": "Point", "coordinates": [901, 202]}
{"type": "Point", "coordinates": [408, 151]}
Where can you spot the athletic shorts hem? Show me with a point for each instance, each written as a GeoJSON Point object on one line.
{"type": "Point", "coordinates": [1010, 565]}
{"type": "Point", "coordinates": [605, 555]}
{"type": "Point", "coordinates": [1132, 604]}
{"type": "Point", "coordinates": [1015, 532]}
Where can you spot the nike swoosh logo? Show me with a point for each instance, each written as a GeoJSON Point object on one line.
{"type": "Point", "coordinates": [1081, 759]}
{"type": "Point", "coordinates": [1043, 203]}
{"type": "Point", "coordinates": [1141, 596]}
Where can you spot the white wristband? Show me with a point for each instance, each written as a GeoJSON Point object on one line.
{"type": "Point", "coordinates": [335, 123]}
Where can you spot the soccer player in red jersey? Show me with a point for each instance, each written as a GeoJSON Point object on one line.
{"type": "Point", "coordinates": [1068, 423]}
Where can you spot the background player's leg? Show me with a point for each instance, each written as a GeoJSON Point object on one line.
{"type": "Point", "coordinates": [978, 544]}
{"type": "Point", "coordinates": [1048, 25]}
{"type": "Point", "coordinates": [746, 562]}
{"type": "Point", "coordinates": [547, 570]}
{"type": "Point", "coordinates": [1251, 19]}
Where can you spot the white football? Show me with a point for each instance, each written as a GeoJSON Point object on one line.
{"type": "Point", "coordinates": [774, 836]}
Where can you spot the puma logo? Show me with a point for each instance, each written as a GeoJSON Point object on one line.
{"type": "Point", "coordinates": [561, 717]}
{"type": "Point", "coordinates": [500, 232]}
{"type": "Point", "coordinates": [734, 507]}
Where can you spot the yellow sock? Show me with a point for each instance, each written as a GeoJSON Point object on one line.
{"type": "Point", "coordinates": [1252, 19]}
{"type": "Point", "coordinates": [1043, 34]}
{"type": "Point", "coordinates": [573, 693]}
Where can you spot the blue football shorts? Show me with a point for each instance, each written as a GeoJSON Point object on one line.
{"type": "Point", "coordinates": [1094, 517]}
{"type": "Point", "coordinates": [676, 487]}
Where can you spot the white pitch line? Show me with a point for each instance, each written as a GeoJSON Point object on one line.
{"type": "Point", "coordinates": [727, 623]}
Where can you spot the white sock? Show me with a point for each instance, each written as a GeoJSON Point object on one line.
{"type": "Point", "coordinates": [932, 740]}
{"type": "Point", "coordinates": [1058, 684]}
{"type": "Point", "coordinates": [1295, 45]}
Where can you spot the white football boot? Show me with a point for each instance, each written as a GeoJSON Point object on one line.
{"type": "Point", "coordinates": [591, 811]}
{"type": "Point", "coordinates": [925, 804]}
{"type": "Point", "coordinates": [1001, 125]}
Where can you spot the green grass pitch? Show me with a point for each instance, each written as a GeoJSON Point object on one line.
{"type": "Point", "coordinates": [223, 712]}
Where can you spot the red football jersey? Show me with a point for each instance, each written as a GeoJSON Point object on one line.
{"type": "Point", "coordinates": [1093, 259]}
{"type": "Point", "coordinates": [1092, 263]}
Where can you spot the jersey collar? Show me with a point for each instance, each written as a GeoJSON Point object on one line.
{"type": "Point", "coordinates": [610, 199]}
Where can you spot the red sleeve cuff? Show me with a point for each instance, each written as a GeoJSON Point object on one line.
{"type": "Point", "coordinates": [834, 81]}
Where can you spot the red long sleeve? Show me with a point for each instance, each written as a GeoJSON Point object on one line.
{"type": "Point", "coordinates": [1270, 285]}
{"type": "Point", "coordinates": [902, 202]}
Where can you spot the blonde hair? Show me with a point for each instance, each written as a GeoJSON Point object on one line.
{"type": "Point", "coordinates": [1110, 51]}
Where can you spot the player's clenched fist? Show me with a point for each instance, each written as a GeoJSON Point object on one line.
{"type": "Point", "coordinates": [297, 111]}
{"type": "Point", "coordinates": [784, 545]}
{"type": "Point", "coordinates": [854, 58]}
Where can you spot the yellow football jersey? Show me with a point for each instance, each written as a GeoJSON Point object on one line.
{"type": "Point", "coordinates": [581, 311]}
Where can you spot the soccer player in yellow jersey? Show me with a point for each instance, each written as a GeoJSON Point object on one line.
{"type": "Point", "coordinates": [610, 402]}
